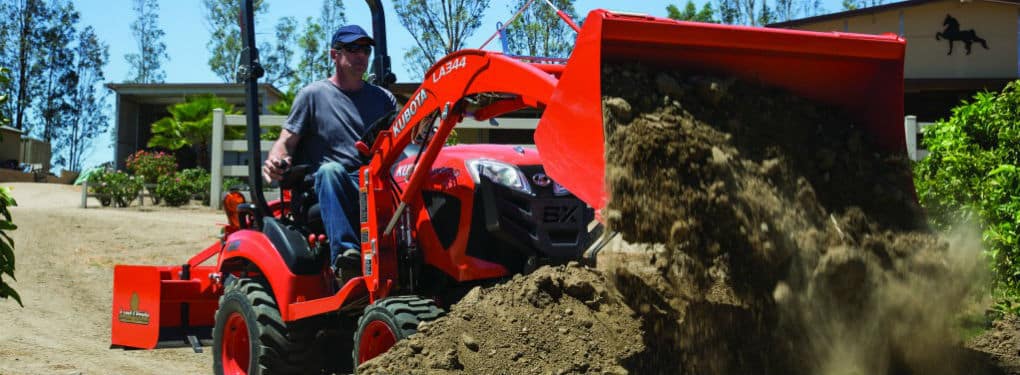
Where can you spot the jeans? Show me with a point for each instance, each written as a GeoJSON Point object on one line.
{"type": "Point", "coordinates": [340, 206]}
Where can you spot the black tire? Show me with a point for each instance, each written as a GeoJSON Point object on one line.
{"type": "Point", "coordinates": [274, 347]}
{"type": "Point", "coordinates": [400, 314]}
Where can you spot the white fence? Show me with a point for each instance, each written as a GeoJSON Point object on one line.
{"type": "Point", "coordinates": [221, 120]}
{"type": "Point", "coordinates": [914, 132]}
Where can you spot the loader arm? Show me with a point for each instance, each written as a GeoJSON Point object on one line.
{"type": "Point", "coordinates": [441, 96]}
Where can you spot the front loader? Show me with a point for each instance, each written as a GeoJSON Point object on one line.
{"type": "Point", "coordinates": [437, 220]}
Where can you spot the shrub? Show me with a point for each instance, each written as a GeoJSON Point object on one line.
{"type": "Point", "coordinates": [100, 187]}
{"type": "Point", "coordinates": [198, 181]}
{"type": "Point", "coordinates": [7, 245]}
{"type": "Point", "coordinates": [124, 187]}
{"type": "Point", "coordinates": [971, 174]}
{"type": "Point", "coordinates": [175, 190]}
{"type": "Point", "coordinates": [149, 165]}
{"type": "Point", "coordinates": [230, 183]}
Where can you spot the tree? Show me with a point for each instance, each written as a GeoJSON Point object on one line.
{"type": "Point", "coordinates": [225, 42]}
{"type": "Point", "coordinates": [7, 43]}
{"type": "Point", "coordinates": [972, 175]}
{"type": "Point", "coordinates": [729, 12]}
{"type": "Point", "coordinates": [55, 58]}
{"type": "Point", "coordinates": [146, 65]}
{"type": "Point", "coordinates": [189, 124]}
{"type": "Point", "coordinates": [858, 4]}
{"type": "Point", "coordinates": [538, 31]}
{"type": "Point", "coordinates": [5, 78]}
{"type": "Point", "coordinates": [89, 118]}
{"type": "Point", "coordinates": [312, 65]}
{"type": "Point", "coordinates": [278, 59]}
{"type": "Point", "coordinates": [439, 28]}
{"type": "Point", "coordinates": [691, 12]}
{"type": "Point", "coordinates": [25, 17]}
{"type": "Point", "coordinates": [331, 18]}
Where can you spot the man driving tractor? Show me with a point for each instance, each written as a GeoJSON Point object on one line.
{"type": "Point", "coordinates": [326, 120]}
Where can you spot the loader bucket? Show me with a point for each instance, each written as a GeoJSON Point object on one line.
{"type": "Point", "coordinates": [161, 306]}
{"type": "Point", "coordinates": [861, 74]}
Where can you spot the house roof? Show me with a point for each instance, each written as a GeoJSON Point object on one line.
{"type": "Point", "coordinates": [169, 93]}
{"type": "Point", "coordinates": [12, 129]}
{"type": "Point", "coordinates": [869, 10]}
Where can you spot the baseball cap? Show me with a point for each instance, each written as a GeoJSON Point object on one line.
{"type": "Point", "coordinates": [349, 34]}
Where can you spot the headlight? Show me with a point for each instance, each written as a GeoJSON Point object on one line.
{"type": "Point", "coordinates": [499, 172]}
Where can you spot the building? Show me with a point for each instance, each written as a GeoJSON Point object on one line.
{"type": "Point", "coordinates": [140, 105]}
{"type": "Point", "coordinates": [955, 48]}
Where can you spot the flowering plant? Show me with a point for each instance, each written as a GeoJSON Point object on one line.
{"type": "Point", "coordinates": [149, 165]}
{"type": "Point", "coordinates": [115, 187]}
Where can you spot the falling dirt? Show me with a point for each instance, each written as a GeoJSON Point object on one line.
{"type": "Point", "coordinates": [792, 244]}
{"type": "Point", "coordinates": [758, 233]}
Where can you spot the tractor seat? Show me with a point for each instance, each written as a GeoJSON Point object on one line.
{"type": "Point", "coordinates": [304, 204]}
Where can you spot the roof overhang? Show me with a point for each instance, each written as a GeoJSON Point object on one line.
{"type": "Point", "coordinates": [171, 93]}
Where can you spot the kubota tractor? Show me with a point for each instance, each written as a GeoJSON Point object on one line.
{"type": "Point", "coordinates": [435, 220]}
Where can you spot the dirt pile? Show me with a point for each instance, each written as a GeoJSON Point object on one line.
{"type": "Point", "coordinates": [759, 233]}
{"type": "Point", "coordinates": [789, 243]}
{"type": "Point", "coordinates": [561, 320]}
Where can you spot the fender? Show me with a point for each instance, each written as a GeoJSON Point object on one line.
{"type": "Point", "coordinates": [246, 247]}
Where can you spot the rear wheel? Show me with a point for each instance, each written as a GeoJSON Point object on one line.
{"type": "Point", "coordinates": [390, 320]}
{"type": "Point", "coordinates": [250, 337]}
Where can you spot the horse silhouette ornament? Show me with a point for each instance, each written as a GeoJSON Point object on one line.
{"type": "Point", "coordinates": [952, 33]}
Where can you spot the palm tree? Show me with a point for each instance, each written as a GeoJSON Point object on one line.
{"type": "Point", "coordinates": [189, 124]}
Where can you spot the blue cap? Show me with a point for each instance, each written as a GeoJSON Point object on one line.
{"type": "Point", "coordinates": [349, 34]}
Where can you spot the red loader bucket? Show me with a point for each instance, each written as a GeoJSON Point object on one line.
{"type": "Point", "coordinates": [861, 74]}
{"type": "Point", "coordinates": [161, 306]}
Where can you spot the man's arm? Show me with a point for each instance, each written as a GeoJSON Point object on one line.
{"type": "Point", "coordinates": [281, 151]}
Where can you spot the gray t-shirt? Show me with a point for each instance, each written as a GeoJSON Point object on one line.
{"type": "Point", "coordinates": [330, 120]}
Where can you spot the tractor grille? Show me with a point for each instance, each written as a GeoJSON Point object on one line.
{"type": "Point", "coordinates": [544, 224]}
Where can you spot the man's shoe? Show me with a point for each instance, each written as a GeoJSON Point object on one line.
{"type": "Point", "coordinates": [349, 259]}
{"type": "Point", "coordinates": [347, 266]}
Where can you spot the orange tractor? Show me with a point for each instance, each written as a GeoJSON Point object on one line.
{"type": "Point", "coordinates": [437, 221]}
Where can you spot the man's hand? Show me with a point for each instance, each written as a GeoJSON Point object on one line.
{"type": "Point", "coordinates": [273, 168]}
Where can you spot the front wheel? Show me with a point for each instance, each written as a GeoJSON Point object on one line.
{"type": "Point", "coordinates": [390, 320]}
{"type": "Point", "coordinates": [250, 337]}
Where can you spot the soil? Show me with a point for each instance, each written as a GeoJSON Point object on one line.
{"type": "Point", "coordinates": [758, 233]}
{"type": "Point", "coordinates": [65, 257]}
{"type": "Point", "coordinates": [562, 320]}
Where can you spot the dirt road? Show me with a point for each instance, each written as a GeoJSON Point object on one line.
{"type": "Point", "coordinates": [65, 257]}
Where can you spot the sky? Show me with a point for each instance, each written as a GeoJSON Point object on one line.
{"type": "Point", "coordinates": [187, 35]}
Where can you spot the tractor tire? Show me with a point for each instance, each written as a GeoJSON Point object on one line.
{"type": "Point", "coordinates": [390, 320]}
{"type": "Point", "coordinates": [250, 337]}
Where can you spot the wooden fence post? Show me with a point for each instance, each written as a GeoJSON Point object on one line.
{"type": "Point", "coordinates": [910, 128]}
{"type": "Point", "coordinates": [216, 166]}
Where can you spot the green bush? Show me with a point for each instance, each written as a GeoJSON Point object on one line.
{"type": "Point", "coordinates": [230, 183]}
{"type": "Point", "coordinates": [149, 165]}
{"type": "Point", "coordinates": [175, 190]}
{"type": "Point", "coordinates": [198, 181]}
{"type": "Point", "coordinates": [125, 187]}
{"type": "Point", "coordinates": [7, 245]}
{"type": "Point", "coordinates": [114, 187]}
{"type": "Point", "coordinates": [99, 187]}
{"type": "Point", "coordinates": [971, 175]}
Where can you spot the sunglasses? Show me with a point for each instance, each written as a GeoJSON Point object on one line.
{"type": "Point", "coordinates": [355, 48]}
